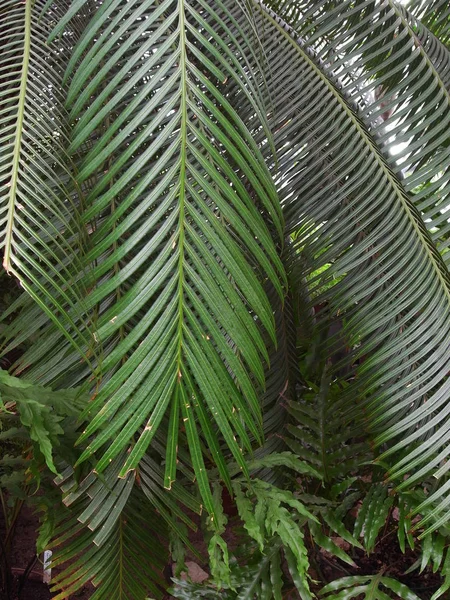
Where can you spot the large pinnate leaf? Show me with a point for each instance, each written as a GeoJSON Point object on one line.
{"type": "Point", "coordinates": [184, 224]}
{"type": "Point", "coordinates": [395, 69]}
{"type": "Point", "coordinates": [358, 229]}
{"type": "Point", "coordinates": [41, 237]}
{"type": "Point", "coordinates": [190, 126]}
{"type": "Point", "coordinates": [109, 536]}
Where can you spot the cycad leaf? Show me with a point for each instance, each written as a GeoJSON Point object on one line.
{"type": "Point", "coordinates": [41, 235]}
{"type": "Point", "coordinates": [398, 72]}
{"type": "Point", "coordinates": [351, 214]}
{"type": "Point", "coordinates": [106, 537]}
{"type": "Point", "coordinates": [186, 216]}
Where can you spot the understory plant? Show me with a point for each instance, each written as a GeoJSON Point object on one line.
{"type": "Point", "coordinates": [229, 223]}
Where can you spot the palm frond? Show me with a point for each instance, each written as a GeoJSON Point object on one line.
{"type": "Point", "coordinates": [41, 235]}
{"type": "Point", "coordinates": [393, 67]}
{"type": "Point", "coordinates": [180, 244]}
{"type": "Point", "coordinates": [103, 535]}
{"type": "Point", "coordinates": [184, 225]}
{"type": "Point", "coordinates": [356, 219]}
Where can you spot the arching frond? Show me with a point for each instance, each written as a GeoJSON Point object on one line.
{"type": "Point", "coordinates": [107, 538]}
{"type": "Point", "coordinates": [41, 236]}
{"type": "Point", "coordinates": [392, 66]}
{"type": "Point", "coordinates": [356, 220]}
{"type": "Point", "coordinates": [184, 213]}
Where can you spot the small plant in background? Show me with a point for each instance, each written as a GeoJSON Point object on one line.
{"type": "Point", "coordinates": [37, 437]}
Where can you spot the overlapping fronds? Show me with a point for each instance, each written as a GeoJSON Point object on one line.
{"type": "Point", "coordinates": [185, 223]}
{"type": "Point", "coordinates": [397, 71]}
{"type": "Point", "coordinates": [107, 538]}
{"type": "Point", "coordinates": [41, 237]}
{"type": "Point", "coordinates": [360, 231]}
{"type": "Point", "coordinates": [162, 165]}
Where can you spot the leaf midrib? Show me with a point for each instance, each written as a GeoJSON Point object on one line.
{"type": "Point", "coordinates": [182, 194]}
{"type": "Point", "coordinates": [418, 45]}
{"type": "Point", "coordinates": [18, 137]}
{"type": "Point", "coordinates": [399, 193]}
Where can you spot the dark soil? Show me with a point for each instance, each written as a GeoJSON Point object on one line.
{"type": "Point", "coordinates": [23, 551]}
{"type": "Point", "coordinates": [389, 557]}
{"type": "Point", "coordinates": [386, 558]}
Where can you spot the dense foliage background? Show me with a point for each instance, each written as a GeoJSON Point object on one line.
{"type": "Point", "coordinates": [226, 296]}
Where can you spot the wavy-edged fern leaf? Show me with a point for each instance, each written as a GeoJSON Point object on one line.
{"type": "Point", "coordinates": [372, 515]}
{"type": "Point", "coordinates": [320, 433]}
{"type": "Point", "coordinates": [271, 515]}
{"type": "Point", "coordinates": [370, 587]}
{"type": "Point", "coordinates": [36, 416]}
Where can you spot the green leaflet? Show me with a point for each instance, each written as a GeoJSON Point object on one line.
{"type": "Point", "coordinates": [285, 459]}
{"type": "Point", "coordinates": [369, 588]}
{"type": "Point", "coordinates": [218, 560]}
{"type": "Point", "coordinates": [245, 509]}
{"type": "Point", "coordinates": [328, 544]}
{"type": "Point", "coordinates": [404, 524]}
{"type": "Point", "coordinates": [372, 515]}
{"type": "Point", "coordinates": [42, 427]}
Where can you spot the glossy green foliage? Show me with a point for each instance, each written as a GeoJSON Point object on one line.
{"type": "Point", "coordinates": [230, 222]}
{"type": "Point", "coordinates": [31, 415]}
{"type": "Point", "coordinates": [372, 515]}
{"type": "Point", "coordinates": [376, 587]}
{"type": "Point", "coordinates": [183, 235]}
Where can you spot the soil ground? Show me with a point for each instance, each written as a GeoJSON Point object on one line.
{"type": "Point", "coordinates": [23, 551]}
{"type": "Point", "coordinates": [386, 557]}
